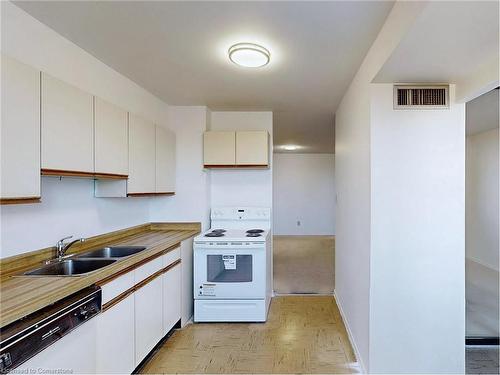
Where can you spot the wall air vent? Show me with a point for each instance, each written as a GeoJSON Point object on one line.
{"type": "Point", "coordinates": [420, 96]}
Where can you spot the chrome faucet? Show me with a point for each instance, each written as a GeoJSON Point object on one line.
{"type": "Point", "coordinates": [62, 247]}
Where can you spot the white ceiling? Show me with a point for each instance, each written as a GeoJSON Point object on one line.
{"type": "Point", "coordinates": [481, 114]}
{"type": "Point", "coordinates": [449, 40]}
{"type": "Point", "coordinates": [178, 51]}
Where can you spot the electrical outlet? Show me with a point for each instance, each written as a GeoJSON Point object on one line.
{"type": "Point", "coordinates": [298, 223]}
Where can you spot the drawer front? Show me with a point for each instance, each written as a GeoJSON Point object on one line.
{"type": "Point", "coordinates": [117, 286]}
{"type": "Point", "coordinates": [171, 256]}
{"type": "Point", "coordinates": [148, 269]}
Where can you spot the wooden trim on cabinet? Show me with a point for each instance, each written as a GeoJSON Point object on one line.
{"type": "Point", "coordinates": [137, 265]}
{"type": "Point", "coordinates": [232, 166]}
{"type": "Point", "coordinates": [20, 200]}
{"type": "Point", "coordinates": [95, 175]}
{"type": "Point", "coordinates": [117, 299]}
{"type": "Point", "coordinates": [150, 194]}
{"type": "Point", "coordinates": [110, 176]}
{"type": "Point", "coordinates": [171, 265]}
{"type": "Point", "coordinates": [147, 280]}
{"type": "Point", "coordinates": [252, 165]}
{"type": "Point", "coordinates": [156, 274]}
{"type": "Point", "coordinates": [138, 286]}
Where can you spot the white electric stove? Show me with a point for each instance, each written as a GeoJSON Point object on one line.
{"type": "Point", "coordinates": [232, 266]}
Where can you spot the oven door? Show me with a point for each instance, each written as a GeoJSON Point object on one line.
{"type": "Point", "coordinates": [230, 273]}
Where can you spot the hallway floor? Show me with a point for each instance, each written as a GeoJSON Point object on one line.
{"type": "Point", "coordinates": [482, 360]}
{"type": "Point", "coordinates": [304, 264]}
{"type": "Point", "coordinates": [303, 334]}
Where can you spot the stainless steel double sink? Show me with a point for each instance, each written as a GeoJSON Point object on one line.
{"type": "Point", "coordinates": [85, 263]}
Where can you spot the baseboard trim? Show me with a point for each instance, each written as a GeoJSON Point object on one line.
{"type": "Point", "coordinates": [482, 341]}
{"type": "Point", "coordinates": [349, 333]}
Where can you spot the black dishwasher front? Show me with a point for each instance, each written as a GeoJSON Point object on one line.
{"type": "Point", "coordinates": [22, 339]}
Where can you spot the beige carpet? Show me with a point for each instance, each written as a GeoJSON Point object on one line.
{"type": "Point", "coordinates": [304, 264]}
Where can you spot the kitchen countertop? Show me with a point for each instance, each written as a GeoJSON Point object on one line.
{"type": "Point", "coordinates": [20, 296]}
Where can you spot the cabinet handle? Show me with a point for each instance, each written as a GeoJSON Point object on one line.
{"type": "Point", "coordinates": [51, 332]}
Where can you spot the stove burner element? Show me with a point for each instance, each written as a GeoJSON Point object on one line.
{"type": "Point", "coordinates": [214, 234]}
{"type": "Point", "coordinates": [253, 235]}
{"type": "Point", "coordinates": [255, 231]}
{"type": "Point", "coordinates": [219, 231]}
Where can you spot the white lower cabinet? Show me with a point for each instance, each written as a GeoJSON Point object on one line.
{"type": "Point", "coordinates": [171, 298]}
{"type": "Point", "coordinates": [119, 338]}
{"type": "Point", "coordinates": [187, 298]}
{"type": "Point", "coordinates": [148, 318]}
{"type": "Point", "coordinates": [74, 353]}
{"type": "Point", "coordinates": [115, 350]}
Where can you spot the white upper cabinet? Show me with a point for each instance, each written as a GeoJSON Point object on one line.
{"type": "Point", "coordinates": [20, 131]}
{"type": "Point", "coordinates": [219, 148]}
{"type": "Point", "coordinates": [165, 160]}
{"type": "Point", "coordinates": [252, 148]}
{"type": "Point", "coordinates": [142, 156]}
{"type": "Point", "coordinates": [67, 127]}
{"type": "Point", "coordinates": [236, 149]}
{"type": "Point", "coordinates": [111, 138]}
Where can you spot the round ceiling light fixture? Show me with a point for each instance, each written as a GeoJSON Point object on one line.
{"type": "Point", "coordinates": [249, 55]}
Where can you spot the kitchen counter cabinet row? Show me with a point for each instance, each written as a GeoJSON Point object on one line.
{"type": "Point", "coordinates": [56, 129]}
{"type": "Point", "coordinates": [139, 308]}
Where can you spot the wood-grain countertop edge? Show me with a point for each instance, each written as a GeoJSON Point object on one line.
{"type": "Point", "coordinates": [20, 296]}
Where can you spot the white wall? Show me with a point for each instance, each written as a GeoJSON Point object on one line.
{"type": "Point", "coordinates": [304, 190]}
{"type": "Point", "coordinates": [68, 206]}
{"type": "Point", "coordinates": [352, 178]}
{"type": "Point", "coordinates": [417, 237]}
{"type": "Point", "coordinates": [242, 187]}
{"type": "Point", "coordinates": [192, 199]}
{"type": "Point", "coordinates": [482, 222]}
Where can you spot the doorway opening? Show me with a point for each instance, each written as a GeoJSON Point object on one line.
{"type": "Point", "coordinates": [482, 234]}
{"type": "Point", "coordinates": [304, 223]}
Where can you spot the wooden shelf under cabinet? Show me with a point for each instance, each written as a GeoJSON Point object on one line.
{"type": "Point", "coordinates": [20, 200]}
{"type": "Point", "coordinates": [94, 175]}
{"type": "Point", "coordinates": [244, 166]}
{"type": "Point", "coordinates": [150, 194]}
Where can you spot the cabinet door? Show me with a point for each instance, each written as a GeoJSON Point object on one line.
{"type": "Point", "coordinates": [165, 160]}
{"type": "Point", "coordinates": [111, 138]}
{"type": "Point", "coordinates": [74, 353]}
{"type": "Point", "coordinates": [252, 148]}
{"type": "Point", "coordinates": [115, 338]}
{"type": "Point", "coordinates": [148, 318]}
{"type": "Point", "coordinates": [67, 127]}
{"type": "Point", "coordinates": [20, 130]}
{"type": "Point", "coordinates": [171, 298]}
{"type": "Point", "coordinates": [219, 148]}
{"type": "Point", "coordinates": [187, 281]}
{"type": "Point", "coordinates": [141, 156]}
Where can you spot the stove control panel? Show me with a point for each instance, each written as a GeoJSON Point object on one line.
{"type": "Point", "coordinates": [225, 244]}
{"type": "Point", "coordinates": [241, 213]}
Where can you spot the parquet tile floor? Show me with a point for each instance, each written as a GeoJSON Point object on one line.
{"type": "Point", "coordinates": [303, 334]}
